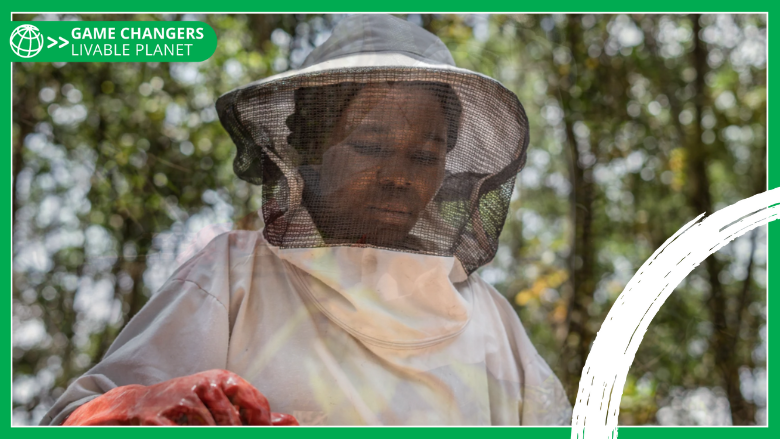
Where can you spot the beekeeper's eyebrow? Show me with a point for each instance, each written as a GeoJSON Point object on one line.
{"type": "Point", "coordinates": [435, 136]}
{"type": "Point", "coordinates": [368, 128]}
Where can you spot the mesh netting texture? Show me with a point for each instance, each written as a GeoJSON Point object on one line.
{"type": "Point", "coordinates": [412, 159]}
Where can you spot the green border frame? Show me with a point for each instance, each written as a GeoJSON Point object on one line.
{"type": "Point", "coordinates": [86, 6]}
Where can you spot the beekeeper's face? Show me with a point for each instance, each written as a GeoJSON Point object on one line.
{"type": "Point", "coordinates": [387, 163]}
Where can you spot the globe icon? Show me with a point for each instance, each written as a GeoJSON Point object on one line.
{"type": "Point", "coordinates": [26, 41]}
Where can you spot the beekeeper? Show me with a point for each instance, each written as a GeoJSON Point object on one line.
{"type": "Point", "coordinates": [387, 173]}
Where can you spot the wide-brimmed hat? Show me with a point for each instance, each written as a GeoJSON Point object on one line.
{"type": "Point", "coordinates": [278, 125]}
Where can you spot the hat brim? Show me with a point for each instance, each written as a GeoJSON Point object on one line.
{"type": "Point", "coordinates": [493, 119]}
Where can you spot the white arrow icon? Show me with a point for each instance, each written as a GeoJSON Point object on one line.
{"type": "Point", "coordinates": [53, 42]}
{"type": "Point", "coordinates": [64, 42]}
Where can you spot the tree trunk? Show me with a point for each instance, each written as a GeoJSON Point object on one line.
{"type": "Point", "coordinates": [700, 198]}
{"type": "Point", "coordinates": [582, 244]}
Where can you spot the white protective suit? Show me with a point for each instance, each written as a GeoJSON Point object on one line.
{"type": "Point", "coordinates": [337, 336]}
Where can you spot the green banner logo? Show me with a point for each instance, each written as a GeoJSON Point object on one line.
{"type": "Point", "coordinates": [111, 41]}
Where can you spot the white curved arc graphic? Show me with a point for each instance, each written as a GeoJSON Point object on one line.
{"type": "Point", "coordinates": [616, 344]}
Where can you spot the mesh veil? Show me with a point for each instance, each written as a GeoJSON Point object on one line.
{"type": "Point", "coordinates": [407, 158]}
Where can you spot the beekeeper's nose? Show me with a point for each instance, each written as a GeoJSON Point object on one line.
{"type": "Point", "coordinates": [395, 175]}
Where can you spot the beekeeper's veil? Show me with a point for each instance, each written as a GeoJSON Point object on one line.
{"type": "Point", "coordinates": [380, 141]}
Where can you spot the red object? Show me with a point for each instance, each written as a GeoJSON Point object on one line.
{"type": "Point", "coordinates": [283, 419]}
{"type": "Point", "coordinates": [214, 397]}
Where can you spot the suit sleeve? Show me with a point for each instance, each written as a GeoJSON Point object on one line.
{"type": "Point", "coordinates": [544, 398]}
{"type": "Point", "coordinates": [182, 330]}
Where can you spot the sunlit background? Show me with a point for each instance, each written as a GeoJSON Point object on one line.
{"type": "Point", "coordinates": [638, 124]}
